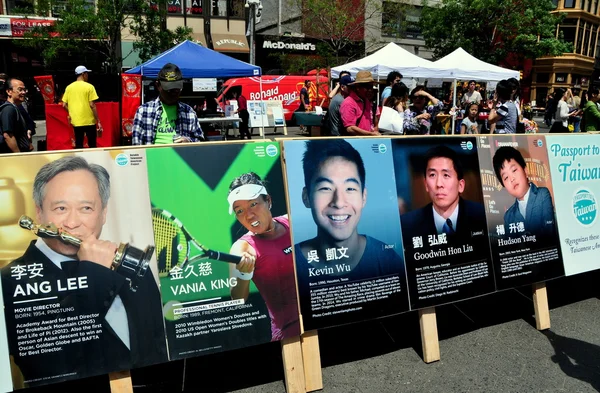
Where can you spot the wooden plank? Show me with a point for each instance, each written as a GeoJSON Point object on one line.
{"type": "Point", "coordinates": [291, 352]}
{"type": "Point", "coordinates": [120, 382]}
{"type": "Point", "coordinates": [311, 355]}
{"type": "Point", "coordinates": [429, 335]}
{"type": "Point", "coordinates": [540, 304]}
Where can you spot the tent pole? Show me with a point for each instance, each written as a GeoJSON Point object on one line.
{"type": "Point", "coordinates": [454, 105]}
{"type": "Point", "coordinates": [142, 73]}
{"type": "Point", "coordinates": [262, 129]}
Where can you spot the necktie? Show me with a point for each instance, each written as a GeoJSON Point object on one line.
{"type": "Point", "coordinates": [448, 227]}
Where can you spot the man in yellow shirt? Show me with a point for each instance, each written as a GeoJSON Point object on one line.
{"type": "Point", "coordinates": [78, 100]}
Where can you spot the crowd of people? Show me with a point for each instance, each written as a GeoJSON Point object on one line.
{"type": "Point", "coordinates": [568, 112]}
{"type": "Point", "coordinates": [355, 109]}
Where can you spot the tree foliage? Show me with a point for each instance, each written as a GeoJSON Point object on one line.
{"type": "Point", "coordinates": [339, 23]}
{"type": "Point", "coordinates": [83, 27]}
{"type": "Point", "coordinates": [493, 29]}
{"type": "Point", "coordinates": [150, 25]}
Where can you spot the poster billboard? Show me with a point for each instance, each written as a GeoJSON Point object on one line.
{"type": "Point", "coordinates": [5, 376]}
{"type": "Point", "coordinates": [347, 241]}
{"type": "Point", "coordinates": [443, 220]}
{"type": "Point", "coordinates": [519, 204]}
{"type": "Point", "coordinates": [239, 290]}
{"type": "Point", "coordinates": [81, 298]}
{"type": "Point", "coordinates": [575, 174]}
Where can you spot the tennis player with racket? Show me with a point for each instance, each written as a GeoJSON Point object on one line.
{"type": "Point", "coordinates": [266, 254]}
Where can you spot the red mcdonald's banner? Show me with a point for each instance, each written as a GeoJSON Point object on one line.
{"type": "Point", "coordinates": [131, 100]}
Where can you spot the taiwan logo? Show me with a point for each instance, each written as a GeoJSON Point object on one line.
{"type": "Point", "coordinates": [585, 207]}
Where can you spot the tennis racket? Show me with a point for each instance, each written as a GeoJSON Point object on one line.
{"type": "Point", "coordinates": [173, 244]}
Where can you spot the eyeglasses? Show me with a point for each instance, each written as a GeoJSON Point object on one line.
{"type": "Point", "coordinates": [20, 89]}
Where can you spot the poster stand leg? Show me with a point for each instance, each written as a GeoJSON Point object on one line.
{"type": "Point", "coordinates": [291, 352]}
{"type": "Point", "coordinates": [311, 357]}
{"type": "Point", "coordinates": [540, 304]}
{"type": "Point", "coordinates": [120, 382]}
{"type": "Point", "coordinates": [429, 335]}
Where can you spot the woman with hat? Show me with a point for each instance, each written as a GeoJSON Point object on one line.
{"type": "Point", "coordinates": [357, 110]}
{"type": "Point", "coordinates": [419, 116]}
{"type": "Point", "coordinates": [266, 256]}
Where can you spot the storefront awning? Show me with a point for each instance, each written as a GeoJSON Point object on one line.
{"type": "Point", "coordinates": [230, 43]}
{"type": "Point", "coordinates": [200, 38]}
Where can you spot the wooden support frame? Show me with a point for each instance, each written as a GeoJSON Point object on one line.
{"type": "Point", "coordinates": [293, 369]}
{"type": "Point", "coordinates": [540, 304]}
{"type": "Point", "coordinates": [311, 357]}
{"type": "Point", "coordinates": [120, 382]}
{"type": "Point", "coordinates": [429, 335]}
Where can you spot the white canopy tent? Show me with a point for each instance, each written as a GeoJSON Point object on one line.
{"type": "Point", "coordinates": [391, 57]}
{"type": "Point", "coordinates": [462, 65]}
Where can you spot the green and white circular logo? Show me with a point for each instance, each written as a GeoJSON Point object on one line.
{"type": "Point", "coordinates": [585, 207]}
{"type": "Point", "coordinates": [122, 159]}
{"type": "Point", "coordinates": [271, 150]}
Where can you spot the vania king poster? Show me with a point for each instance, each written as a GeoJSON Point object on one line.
{"type": "Point", "coordinates": [519, 200]}
{"type": "Point", "coordinates": [443, 220]}
{"type": "Point", "coordinates": [79, 277]}
{"type": "Point", "coordinates": [348, 246]}
{"type": "Point", "coordinates": [575, 173]}
{"type": "Point", "coordinates": [223, 246]}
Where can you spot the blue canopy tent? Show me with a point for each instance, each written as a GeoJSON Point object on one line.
{"type": "Point", "coordinates": [196, 61]}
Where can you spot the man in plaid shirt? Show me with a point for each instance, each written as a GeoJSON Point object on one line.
{"type": "Point", "coordinates": [166, 120]}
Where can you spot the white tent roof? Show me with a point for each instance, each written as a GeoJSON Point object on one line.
{"type": "Point", "coordinates": [387, 59]}
{"type": "Point", "coordinates": [461, 65]}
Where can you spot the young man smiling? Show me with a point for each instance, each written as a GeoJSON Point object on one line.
{"type": "Point", "coordinates": [335, 192]}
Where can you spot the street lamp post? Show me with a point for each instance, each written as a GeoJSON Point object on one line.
{"type": "Point", "coordinates": [253, 5]}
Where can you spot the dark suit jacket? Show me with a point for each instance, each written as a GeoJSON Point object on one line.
{"type": "Point", "coordinates": [86, 358]}
{"type": "Point", "coordinates": [539, 213]}
{"type": "Point", "coordinates": [420, 222]}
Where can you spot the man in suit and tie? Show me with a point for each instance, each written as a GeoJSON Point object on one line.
{"type": "Point", "coordinates": [533, 205]}
{"type": "Point", "coordinates": [448, 212]}
{"type": "Point", "coordinates": [84, 317]}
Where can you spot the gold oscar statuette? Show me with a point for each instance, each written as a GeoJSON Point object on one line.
{"type": "Point", "coordinates": [129, 261]}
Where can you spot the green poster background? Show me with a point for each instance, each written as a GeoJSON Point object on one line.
{"type": "Point", "coordinates": [192, 183]}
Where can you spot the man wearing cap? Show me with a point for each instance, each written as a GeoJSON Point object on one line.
{"type": "Point", "coordinates": [357, 110]}
{"type": "Point", "coordinates": [78, 100]}
{"type": "Point", "coordinates": [335, 119]}
{"type": "Point", "coordinates": [166, 119]}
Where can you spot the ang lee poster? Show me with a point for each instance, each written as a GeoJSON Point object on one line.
{"type": "Point", "coordinates": [443, 219]}
{"type": "Point", "coordinates": [69, 312]}
{"type": "Point", "coordinates": [346, 228]}
{"type": "Point", "coordinates": [5, 374]}
{"type": "Point", "coordinates": [575, 173]}
{"type": "Point", "coordinates": [223, 246]}
{"type": "Point", "coordinates": [519, 200]}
